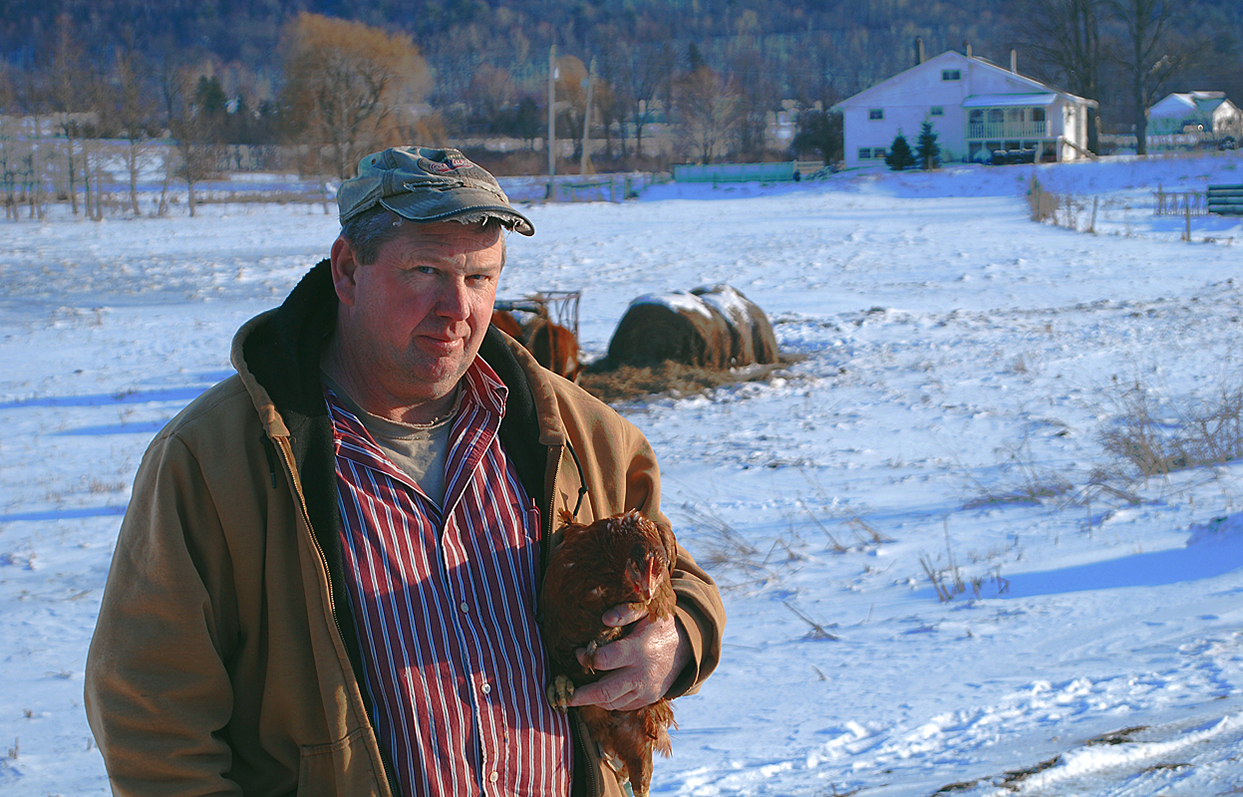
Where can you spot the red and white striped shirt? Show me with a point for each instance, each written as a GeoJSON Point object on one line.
{"type": "Point", "coordinates": [445, 607]}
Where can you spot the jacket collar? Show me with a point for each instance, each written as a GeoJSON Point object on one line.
{"type": "Point", "coordinates": [277, 355]}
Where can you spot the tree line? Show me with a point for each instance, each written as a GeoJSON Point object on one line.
{"type": "Point", "coordinates": [315, 91]}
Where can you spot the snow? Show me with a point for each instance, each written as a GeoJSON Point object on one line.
{"type": "Point", "coordinates": [677, 301]}
{"type": "Point", "coordinates": [959, 364]}
{"type": "Point", "coordinates": [731, 304]}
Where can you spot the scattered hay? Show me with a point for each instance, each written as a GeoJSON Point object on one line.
{"type": "Point", "coordinates": [629, 383]}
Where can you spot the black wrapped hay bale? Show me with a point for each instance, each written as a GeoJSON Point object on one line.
{"type": "Point", "coordinates": [751, 336]}
{"type": "Point", "coordinates": [710, 327]}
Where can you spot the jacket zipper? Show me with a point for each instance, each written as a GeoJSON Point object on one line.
{"type": "Point", "coordinates": [287, 455]}
{"type": "Point", "coordinates": [579, 728]}
{"type": "Point", "coordinates": [584, 742]}
{"type": "Point", "coordinates": [306, 518]}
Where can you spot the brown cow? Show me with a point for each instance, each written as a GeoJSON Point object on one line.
{"type": "Point", "coordinates": [505, 322]}
{"type": "Point", "coordinates": [552, 345]}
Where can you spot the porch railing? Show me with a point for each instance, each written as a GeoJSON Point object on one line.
{"type": "Point", "coordinates": [1007, 129]}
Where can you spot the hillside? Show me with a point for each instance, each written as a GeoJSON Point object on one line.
{"type": "Point", "coordinates": [802, 48]}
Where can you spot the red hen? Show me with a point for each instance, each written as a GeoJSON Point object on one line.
{"type": "Point", "coordinates": [625, 559]}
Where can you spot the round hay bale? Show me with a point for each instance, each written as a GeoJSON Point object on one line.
{"type": "Point", "coordinates": [678, 326]}
{"type": "Point", "coordinates": [751, 335]}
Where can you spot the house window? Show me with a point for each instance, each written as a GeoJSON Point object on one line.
{"type": "Point", "coordinates": [937, 110]}
{"type": "Point", "coordinates": [951, 74]}
{"type": "Point", "coordinates": [865, 153]}
{"type": "Point", "coordinates": [876, 113]}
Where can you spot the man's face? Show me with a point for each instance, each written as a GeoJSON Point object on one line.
{"type": "Point", "coordinates": [411, 322]}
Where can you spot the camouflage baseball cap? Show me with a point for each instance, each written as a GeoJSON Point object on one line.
{"type": "Point", "coordinates": [425, 184]}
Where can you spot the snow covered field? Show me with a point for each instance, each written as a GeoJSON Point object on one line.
{"type": "Point", "coordinates": [957, 357]}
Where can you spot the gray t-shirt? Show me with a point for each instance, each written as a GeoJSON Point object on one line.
{"type": "Point", "coordinates": [419, 450]}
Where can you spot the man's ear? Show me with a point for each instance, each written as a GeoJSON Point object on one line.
{"type": "Point", "coordinates": [344, 266]}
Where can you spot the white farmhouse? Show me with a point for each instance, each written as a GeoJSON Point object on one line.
{"type": "Point", "coordinates": [1195, 112]}
{"type": "Point", "coordinates": [976, 108]}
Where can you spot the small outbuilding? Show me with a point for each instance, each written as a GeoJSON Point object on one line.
{"type": "Point", "coordinates": [1195, 112]}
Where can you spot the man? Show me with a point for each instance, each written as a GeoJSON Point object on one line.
{"type": "Point", "coordinates": [325, 582]}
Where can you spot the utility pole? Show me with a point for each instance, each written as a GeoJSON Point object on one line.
{"type": "Point", "coordinates": [552, 123]}
{"type": "Point", "coordinates": [584, 166]}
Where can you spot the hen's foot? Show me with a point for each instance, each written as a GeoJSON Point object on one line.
{"type": "Point", "coordinates": [559, 693]}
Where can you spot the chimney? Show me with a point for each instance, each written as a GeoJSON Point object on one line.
{"type": "Point", "coordinates": [919, 50]}
{"type": "Point", "coordinates": [1014, 61]}
{"type": "Point", "coordinates": [966, 45]}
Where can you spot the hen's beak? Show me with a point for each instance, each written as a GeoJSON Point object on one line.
{"type": "Point", "coordinates": [650, 579]}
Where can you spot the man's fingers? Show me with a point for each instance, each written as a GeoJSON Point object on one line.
{"type": "Point", "coordinates": [624, 614]}
{"type": "Point", "coordinates": [638, 668]}
{"type": "Point", "coordinates": [607, 657]}
{"type": "Point", "coordinates": [615, 694]}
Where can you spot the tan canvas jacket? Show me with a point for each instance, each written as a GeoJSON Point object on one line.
{"type": "Point", "coordinates": [224, 660]}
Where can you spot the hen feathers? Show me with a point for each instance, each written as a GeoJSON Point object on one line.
{"type": "Point", "coordinates": [624, 559]}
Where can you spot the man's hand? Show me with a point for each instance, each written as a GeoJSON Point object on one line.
{"type": "Point", "coordinates": [642, 665]}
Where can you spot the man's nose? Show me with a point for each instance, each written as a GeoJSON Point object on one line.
{"type": "Point", "coordinates": [453, 301]}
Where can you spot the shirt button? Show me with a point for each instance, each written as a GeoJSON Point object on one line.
{"type": "Point", "coordinates": [494, 777]}
{"type": "Point", "coordinates": [464, 606]}
{"type": "Point", "coordinates": [487, 688]}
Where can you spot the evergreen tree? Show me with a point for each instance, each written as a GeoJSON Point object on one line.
{"type": "Point", "coordinates": [694, 59]}
{"type": "Point", "coordinates": [899, 156]}
{"type": "Point", "coordinates": [927, 150]}
{"type": "Point", "coordinates": [210, 96]}
{"type": "Point", "coordinates": [819, 132]}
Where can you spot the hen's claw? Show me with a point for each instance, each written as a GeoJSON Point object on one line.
{"type": "Point", "coordinates": [589, 657]}
{"type": "Point", "coordinates": [559, 693]}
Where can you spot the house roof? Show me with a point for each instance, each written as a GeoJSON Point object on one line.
{"type": "Point", "coordinates": [1008, 100]}
{"type": "Point", "coordinates": [1183, 102]}
{"type": "Point", "coordinates": [952, 58]}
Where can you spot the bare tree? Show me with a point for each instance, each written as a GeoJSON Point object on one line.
{"type": "Point", "coordinates": [635, 74]}
{"type": "Point", "coordinates": [612, 111]}
{"type": "Point", "coordinates": [572, 77]}
{"type": "Point", "coordinates": [193, 130]}
{"type": "Point", "coordinates": [69, 81]}
{"type": "Point", "coordinates": [135, 109]}
{"type": "Point", "coordinates": [491, 92]}
{"type": "Point", "coordinates": [1063, 38]}
{"type": "Point", "coordinates": [1152, 50]}
{"type": "Point", "coordinates": [706, 111]}
{"type": "Point", "coordinates": [757, 95]}
{"type": "Point", "coordinates": [344, 81]}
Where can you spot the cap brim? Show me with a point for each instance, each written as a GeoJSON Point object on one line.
{"type": "Point", "coordinates": [448, 205]}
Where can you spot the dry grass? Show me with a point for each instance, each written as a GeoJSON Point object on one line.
{"type": "Point", "coordinates": [628, 383]}
{"type": "Point", "coordinates": [1026, 482]}
{"type": "Point", "coordinates": [720, 546]}
{"type": "Point", "coordinates": [1043, 205]}
{"type": "Point", "coordinates": [1186, 435]}
{"type": "Point", "coordinates": [949, 582]}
